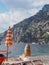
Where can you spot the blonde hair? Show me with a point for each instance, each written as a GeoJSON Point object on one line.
{"type": "Point", "coordinates": [27, 50]}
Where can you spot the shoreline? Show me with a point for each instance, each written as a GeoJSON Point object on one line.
{"type": "Point", "coordinates": [35, 55]}
{"type": "Point", "coordinates": [31, 55]}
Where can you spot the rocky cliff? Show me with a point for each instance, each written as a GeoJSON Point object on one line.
{"type": "Point", "coordinates": [32, 29]}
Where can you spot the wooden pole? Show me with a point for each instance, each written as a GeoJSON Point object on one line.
{"type": "Point", "coordinates": [7, 51]}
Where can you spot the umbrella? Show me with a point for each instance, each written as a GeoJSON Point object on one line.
{"type": "Point", "coordinates": [8, 41]}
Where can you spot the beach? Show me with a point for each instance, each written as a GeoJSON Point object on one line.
{"type": "Point", "coordinates": [43, 58]}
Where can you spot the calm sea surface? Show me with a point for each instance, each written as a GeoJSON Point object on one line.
{"type": "Point", "coordinates": [17, 49]}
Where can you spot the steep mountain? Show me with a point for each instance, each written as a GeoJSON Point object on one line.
{"type": "Point", "coordinates": [32, 29]}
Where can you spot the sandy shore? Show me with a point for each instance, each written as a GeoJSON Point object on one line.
{"type": "Point", "coordinates": [44, 58]}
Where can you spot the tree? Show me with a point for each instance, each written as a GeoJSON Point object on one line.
{"type": "Point", "coordinates": [46, 37]}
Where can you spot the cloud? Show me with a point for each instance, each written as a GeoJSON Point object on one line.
{"type": "Point", "coordinates": [19, 10]}
{"type": "Point", "coordinates": [32, 12]}
{"type": "Point", "coordinates": [16, 4]}
{"type": "Point", "coordinates": [25, 4]}
{"type": "Point", "coordinates": [12, 17]}
{"type": "Point", "coordinates": [16, 16]}
{"type": "Point", "coordinates": [39, 3]}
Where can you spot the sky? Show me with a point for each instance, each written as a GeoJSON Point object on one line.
{"type": "Point", "coordinates": [14, 11]}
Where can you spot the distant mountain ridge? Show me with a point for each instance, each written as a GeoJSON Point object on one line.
{"type": "Point", "coordinates": [32, 29]}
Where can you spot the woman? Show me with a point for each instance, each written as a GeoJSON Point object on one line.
{"type": "Point", "coordinates": [27, 53]}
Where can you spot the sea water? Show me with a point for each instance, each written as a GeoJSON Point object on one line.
{"type": "Point", "coordinates": [17, 49]}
